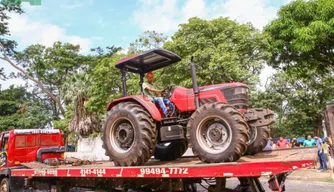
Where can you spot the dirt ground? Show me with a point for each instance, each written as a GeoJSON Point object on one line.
{"type": "Point", "coordinates": [311, 174]}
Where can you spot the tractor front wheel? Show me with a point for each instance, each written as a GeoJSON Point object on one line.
{"type": "Point", "coordinates": [217, 133]}
{"type": "Point", "coordinates": [129, 135]}
{"type": "Point", "coordinates": [260, 140]}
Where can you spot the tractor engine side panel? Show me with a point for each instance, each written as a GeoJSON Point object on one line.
{"type": "Point", "coordinates": [184, 99]}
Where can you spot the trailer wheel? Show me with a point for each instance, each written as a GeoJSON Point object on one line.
{"type": "Point", "coordinates": [5, 185]}
{"type": "Point", "coordinates": [170, 152]}
{"type": "Point", "coordinates": [260, 141]}
{"type": "Point", "coordinates": [129, 135]}
{"type": "Point", "coordinates": [217, 133]}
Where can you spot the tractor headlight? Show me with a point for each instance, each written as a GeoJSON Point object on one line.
{"type": "Point", "coordinates": [241, 90]}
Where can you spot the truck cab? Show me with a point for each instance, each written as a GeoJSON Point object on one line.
{"type": "Point", "coordinates": [27, 145]}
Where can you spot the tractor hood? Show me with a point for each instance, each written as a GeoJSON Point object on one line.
{"type": "Point", "coordinates": [221, 86]}
{"type": "Point", "coordinates": [235, 94]}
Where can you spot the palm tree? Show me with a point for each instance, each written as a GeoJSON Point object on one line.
{"type": "Point", "coordinates": [75, 92]}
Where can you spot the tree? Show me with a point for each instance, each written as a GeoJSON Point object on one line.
{"type": "Point", "coordinates": [223, 50]}
{"type": "Point", "coordinates": [2, 74]}
{"type": "Point", "coordinates": [50, 68]}
{"type": "Point", "coordinates": [4, 31]}
{"type": "Point", "coordinates": [106, 84]}
{"type": "Point", "coordinates": [21, 109]}
{"type": "Point", "coordinates": [148, 40]}
{"type": "Point", "coordinates": [302, 37]}
{"type": "Point", "coordinates": [75, 92]}
{"type": "Point", "coordinates": [298, 102]}
{"type": "Point", "coordinates": [47, 67]}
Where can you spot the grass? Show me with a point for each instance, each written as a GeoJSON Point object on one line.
{"type": "Point", "coordinates": [330, 180]}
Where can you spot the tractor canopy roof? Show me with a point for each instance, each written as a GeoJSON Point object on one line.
{"type": "Point", "coordinates": [148, 61]}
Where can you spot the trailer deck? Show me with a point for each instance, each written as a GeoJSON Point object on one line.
{"type": "Point", "coordinates": [264, 163]}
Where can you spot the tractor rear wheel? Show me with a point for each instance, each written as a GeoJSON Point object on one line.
{"type": "Point", "coordinates": [172, 151]}
{"type": "Point", "coordinates": [260, 140]}
{"type": "Point", "coordinates": [129, 135]}
{"type": "Point", "coordinates": [217, 133]}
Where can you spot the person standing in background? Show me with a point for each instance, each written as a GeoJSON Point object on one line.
{"type": "Point", "coordinates": [309, 142]}
{"type": "Point", "coordinates": [321, 154]}
{"type": "Point", "coordinates": [282, 143]}
{"type": "Point", "coordinates": [294, 143]}
{"type": "Point", "coordinates": [269, 145]}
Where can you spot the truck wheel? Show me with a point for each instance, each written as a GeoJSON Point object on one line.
{"type": "Point", "coordinates": [260, 141]}
{"type": "Point", "coordinates": [5, 185]}
{"type": "Point", "coordinates": [129, 135]}
{"type": "Point", "coordinates": [218, 133]}
{"type": "Point", "coordinates": [170, 152]}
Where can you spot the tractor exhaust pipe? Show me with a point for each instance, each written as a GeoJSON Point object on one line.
{"type": "Point", "coordinates": [193, 78]}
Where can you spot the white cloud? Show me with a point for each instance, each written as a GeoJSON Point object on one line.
{"type": "Point", "coordinates": [194, 8]}
{"type": "Point", "coordinates": [162, 16]}
{"type": "Point", "coordinates": [165, 15]}
{"type": "Point", "coordinates": [28, 32]}
{"type": "Point", "coordinates": [254, 11]}
{"type": "Point", "coordinates": [264, 77]}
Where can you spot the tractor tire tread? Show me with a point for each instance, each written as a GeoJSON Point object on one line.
{"type": "Point", "coordinates": [239, 124]}
{"type": "Point", "coordinates": [145, 129]}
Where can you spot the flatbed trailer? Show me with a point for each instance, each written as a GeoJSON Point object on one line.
{"type": "Point", "coordinates": [179, 175]}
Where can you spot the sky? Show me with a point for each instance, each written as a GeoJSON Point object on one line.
{"type": "Point", "coordinates": [93, 23]}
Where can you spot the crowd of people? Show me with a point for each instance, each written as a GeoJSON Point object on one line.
{"type": "Point", "coordinates": [322, 145]}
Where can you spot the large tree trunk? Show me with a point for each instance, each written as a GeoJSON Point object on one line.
{"type": "Point", "coordinates": [38, 82]}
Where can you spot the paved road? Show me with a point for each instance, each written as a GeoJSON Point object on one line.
{"type": "Point", "coordinates": [291, 185]}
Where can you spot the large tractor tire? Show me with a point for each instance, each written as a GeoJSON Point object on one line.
{"type": "Point", "coordinates": [259, 140]}
{"type": "Point", "coordinates": [172, 151]}
{"type": "Point", "coordinates": [217, 133]}
{"type": "Point", "coordinates": [129, 135]}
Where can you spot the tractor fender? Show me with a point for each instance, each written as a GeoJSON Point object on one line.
{"type": "Point", "coordinates": [143, 101]}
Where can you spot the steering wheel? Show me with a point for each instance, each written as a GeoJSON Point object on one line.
{"type": "Point", "coordinates": [168, 91]}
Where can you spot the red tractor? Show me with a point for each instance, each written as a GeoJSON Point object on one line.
{"type": "Point", "coordinates": [213, 120]}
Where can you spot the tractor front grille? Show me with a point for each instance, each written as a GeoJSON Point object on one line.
{"type": "Point", "coordinates": [236, 96]}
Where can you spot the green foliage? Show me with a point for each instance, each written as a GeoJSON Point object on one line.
{"type": "Point", "coordinates": [20, 109]}
{"type": "Point", "coordinates": [2, 74]}
{"type": "Point", "coordinates": [302, 37]}
{"type": "Point", "coordinates": [75, 91]}
{"type": "Point", "coordinates": [148, 40]}
{"type": "Point", "coordinates": [106, 84]}
{"type": "Point", "coordinates": [223, 50]}
{"type": "Point", "coordinates": [4, 30]}
{"type": "Point", "coordinates": [52, 65]}
{"type": "Point", "coordinates": [302, 43]}
{"type": "Point", "coordinates": [298, 102]}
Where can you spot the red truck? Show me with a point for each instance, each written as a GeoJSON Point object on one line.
{"type": "Point", "coordinates": [27, 145]}
{"type": "Point", "coordinates": [30, 152]}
